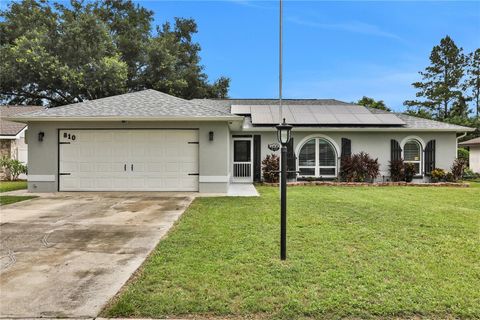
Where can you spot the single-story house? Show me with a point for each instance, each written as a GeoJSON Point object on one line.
{"type": "Point", "coordinates": [152, 141]}
{"type": "Point", "coordinates": [474, 157]}
{"type": "Point", "coordinates": [12, 134]}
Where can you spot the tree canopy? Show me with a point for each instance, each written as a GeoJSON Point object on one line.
{"type": "Point", "coordinates": [372, 103]}
{"type": "Point", "coordinates": [440, 87]}
{"type": "Point", "coordinates": [56, 54]}
{"type": "Point", "coordinates": [450, 86]}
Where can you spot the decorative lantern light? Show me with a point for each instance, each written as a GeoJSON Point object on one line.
{"type": "Point", "coordinates": [284, 133]}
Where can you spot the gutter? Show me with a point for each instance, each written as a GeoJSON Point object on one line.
{"type": "Point", "coordinates": [456, 145]}
{"type": "Point", "coordinates": [364, 129]}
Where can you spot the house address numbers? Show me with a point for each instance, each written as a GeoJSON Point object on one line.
{"type": "Point", "coordinates": [69, 136]}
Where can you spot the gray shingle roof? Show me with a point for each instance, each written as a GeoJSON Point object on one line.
{"type": "Point", "coordinates": [142, 104]}
{"type": "Point", "coordinates": [411, 122]}
{"type": "Point", "coordinates": [9, 128]}
{"type": "Point", "coordinates": [471, 142]}
{"type": "Point", "coordinates": [225, 104]}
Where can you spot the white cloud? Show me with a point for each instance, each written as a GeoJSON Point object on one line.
{"type": "Point", "coordinates": [350, 26]}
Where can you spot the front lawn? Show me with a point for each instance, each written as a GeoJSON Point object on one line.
{"type": "Point", "coordinates": [6, 186]}
{"type": "Point", "coordinates": [12, 199]}
{"type": "Point", "coordinates": [356, 252]}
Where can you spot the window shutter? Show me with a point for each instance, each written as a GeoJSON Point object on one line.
{"type": "Point", "coordinates": [257, 158]}
{"type": "Point", "coordinates": [291, 160]}
{"type": "Point", "coordinates": [430, 157]}
{"type": "Point", "coordinates": [346, 147]}
{"type": "Point", "coordinates": [395, 150]}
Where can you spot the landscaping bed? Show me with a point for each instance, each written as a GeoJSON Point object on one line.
{"type": "Point", "coordinates": [370, 184]}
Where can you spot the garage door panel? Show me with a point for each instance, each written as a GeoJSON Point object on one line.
{"type": "Point", "coordinates": [97, 159]}
{"type": "Point", "coordinates": [105, 183]}
{"type": "Point", "coordinates": [155, 167]}
{"type": "Point", "coordinates": [139, 167]}
{"type": "Point", "coordinates": [70, 167]}
{"type": "Point", "coordinates": [84, 167]}
{"type": "Point", "coordinates": [69, 183]}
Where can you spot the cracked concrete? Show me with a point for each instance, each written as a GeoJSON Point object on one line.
{"type": "Point", "coordinates": [67, 254]}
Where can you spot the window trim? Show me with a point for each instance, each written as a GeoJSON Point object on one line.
{"type": "Point", "coordinates": [317, 166]}
{"type": "Point", "coordinates": [421, 144]}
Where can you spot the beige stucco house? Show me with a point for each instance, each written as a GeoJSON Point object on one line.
{"type": "Point", "coordinates": [12, 134]}
{"type": "Point", "coordinates": [474, 158]}
{"type": "Point", "coordinates": [151, 141]}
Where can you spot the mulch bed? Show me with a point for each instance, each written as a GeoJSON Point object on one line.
{"type": "Point", "coordinates": [366, 184]}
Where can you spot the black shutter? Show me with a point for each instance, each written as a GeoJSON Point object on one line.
{"type": "Point", "coordinates": [395, 150]}
{"type": "Point", "coordinates": [346, 147]}
{"type": "Point", "coordinates": [291, 160]}
{"type": "Point", "coordinates": [430, 157]}
{"type": "Point", "coordinates": [257, 158]}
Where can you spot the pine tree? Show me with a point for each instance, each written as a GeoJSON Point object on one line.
{"type": "Point", "coordinates": [472, 84]}
{"type": "Point", "coordinates": [441, 85]}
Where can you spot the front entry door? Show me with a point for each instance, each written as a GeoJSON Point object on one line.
{"type": "Point", "coordinates": [242, 160]}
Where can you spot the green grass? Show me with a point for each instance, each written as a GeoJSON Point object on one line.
{"type": "Point", "coordinates": [362, 252]}
{"type": "Point", "coordinates": [4, 200]}
{"type": "Point", "coordinates": [6, 186]}
{"type": "Point", "coordinates": [474, 183]}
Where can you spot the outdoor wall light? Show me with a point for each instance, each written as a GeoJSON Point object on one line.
{"type": "Point", "coordinates": [41, 134]}
{"type": "Point", "coordinates": [210, 136]}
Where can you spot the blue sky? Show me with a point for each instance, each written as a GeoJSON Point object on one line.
{"type": "Point", "coordinates": [340, 49]}
{"type": "Point", "coordinates": [332, 49]}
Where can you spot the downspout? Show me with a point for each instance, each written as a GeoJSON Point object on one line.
{"type": "Point", "coordinates": [456, 148]}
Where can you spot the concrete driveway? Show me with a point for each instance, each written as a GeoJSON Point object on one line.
{"type": "Point", "coordinates": [67, 254]}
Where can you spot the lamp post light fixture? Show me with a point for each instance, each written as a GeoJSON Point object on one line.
{"type": "Point", "coordinates": [283, 135]}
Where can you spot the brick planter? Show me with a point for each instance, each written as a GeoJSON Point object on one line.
{"type": "Point", "coordinates": [366, 184]}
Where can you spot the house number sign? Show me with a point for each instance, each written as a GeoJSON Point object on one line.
{"type": "Point", "coordinates": [274, 146]}
{"type": "Point", "coordinates": [69, 136]}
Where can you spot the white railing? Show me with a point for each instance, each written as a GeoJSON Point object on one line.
{"type": "Point", "coordinates": [242, 169]}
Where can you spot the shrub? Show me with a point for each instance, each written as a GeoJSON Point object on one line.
{"type": "Point", "coordinates": [457, 168]}
{"type": "Point", "coordinates": [468, 174]}
{"type": "Point", "coordinates": [270, 168]}
{"type": "Point", "coordinates": [409, 171]}
{"type": "Point", "coordinates": [359, 168]}
{"type": "Point", "coordinates": [397, 170]}
{"type": "Point", "coordinates": [12, 167]}
{"type": "Point", "coordinates": [449, 177]}
{"type": "Point", "coordinates": [437, 175]}
{"type": "Point", "coordinates": [463, 154]}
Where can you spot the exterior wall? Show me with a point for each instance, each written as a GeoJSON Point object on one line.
{"type": "Point", "coordinates": [5, 151]}
{"type": "Point", "coordinates": [377, 144]}
{"type": "Point", "coordinates": [5, 147]}
{"type": "Point", "coordinates": [475, 158]}
{"type": "Point", "coordinates": [213, 155]}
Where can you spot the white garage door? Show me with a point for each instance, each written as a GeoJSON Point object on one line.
{"type": "Point", "coordinates": [128, 160]}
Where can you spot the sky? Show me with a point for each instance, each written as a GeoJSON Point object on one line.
{"type": "Point", "coordinates": [332, 49]}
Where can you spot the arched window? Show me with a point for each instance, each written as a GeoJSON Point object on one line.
{"type": "Point", "coordinates": [316, 158]}
{"type": "Point", "coordinates": [412, 153]}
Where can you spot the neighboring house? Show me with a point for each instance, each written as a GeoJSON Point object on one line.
{"type": "Point", "coordinates": [12, 134]}
{"type": "Point", "coordinates": [474, 158]}
{"type": "Point", "coordinates": [151, 141]}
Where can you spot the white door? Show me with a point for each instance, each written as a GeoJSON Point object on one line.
{"type": "Point", "coordinates": [242, 170]}
{"type": "Point", "coordinates": [128, 160]}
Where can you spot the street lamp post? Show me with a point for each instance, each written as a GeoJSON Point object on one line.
{"type": "Point", "coordinates": [283, 136]}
